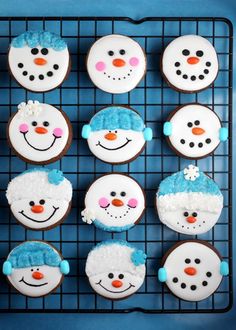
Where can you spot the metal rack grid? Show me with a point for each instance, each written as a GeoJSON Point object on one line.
{"type": "Point", "coordinates": [154, 100]}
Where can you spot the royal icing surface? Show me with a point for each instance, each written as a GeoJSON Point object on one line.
{"type": "Point", "coordinates": [39, 60]}
{"type": "Point", "coordinates": [114, 202]}
{"type": "Point", "coordinates": [115, 269]}
{"type": "Point", "coordinates": [190, 63]}
{"type": "Point", "coordinates": [35, 268]}
{"type": "Point", "coordinates": [193, 271]}
{"type": "Point", "coordinates": [195, 131]}
{"type": "Point", "coordinates": [116, 134]}
{"type": "Point", "coordinates": [116, 63]}
{"type": "Point", "coordinates": [189, 201]}
{"type": "Point", "coordinates": [44, 201]}
{"type": "Point", "coordinates": [39, 132]}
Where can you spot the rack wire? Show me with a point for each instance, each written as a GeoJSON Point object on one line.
{"type": "Point", "coordinates": [154, 100]}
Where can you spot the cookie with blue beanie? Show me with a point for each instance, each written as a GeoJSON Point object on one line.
{"type": "Point", "coordinates": [35, 268]}
{"type": "Point", "coordinates": [116, 134]}
{"type": "Point", "coordinates": [115, 269]}
{"type": "Point", "coordinates": [189, 201]}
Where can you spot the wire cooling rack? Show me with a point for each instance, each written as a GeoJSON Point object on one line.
{"type": "Point", "coordinates": [154, 100]}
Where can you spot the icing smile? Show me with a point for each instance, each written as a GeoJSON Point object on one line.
{"type": "Point", "coordinates": [33, 285]}
{"type": "Point", "coordinates": [130, 286]}
{"type": "Point", "coordinates": [38, 149]}
{"type": "Point", "coordinates": [55, 210]}
{"type": "Point", "coordinates": [117, 148]}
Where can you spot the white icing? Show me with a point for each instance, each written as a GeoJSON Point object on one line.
{"type": "Point", "coordinates": [191, 173]}
{"type": "Point", "coordinates": [51, 145]}
{"type": "Point", "coordinates": [116, 79]}
{"type": "Point", "coordinates": [209, 123]}
{"type": "Point", "coordinates": [118, 216]}
{"type": "Point", "coordinates": [24, 56]}
{"type": "Point", "coordinates": [175, 266]}
{"type": "Point", "coordinates": [173, 54]}
{"type": "Point", "coordinates": [50, 281]}
{"type": "Point", "coordinates": [126, 146]}
{"type": "Point", "coordinates": [31, 108]}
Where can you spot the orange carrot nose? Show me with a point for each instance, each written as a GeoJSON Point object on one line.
{"type": "Point", "coordinates": [118, 62]}
{"type": "Point", "coordinates": [190, 271]}
{"type": "Point", "coordinates": [41, 130]}
{"type": "Point", "coordinates": [40, 61]}
{"type": "Point", "coordinates": [191, 219]}
{"type": "Point", "coordinates": [37, 275]}
{"type": "Point", "coordinates": [117, 284]}
{"type": "Point", "coordinates": [117, 202]}
{"type": "Point", "coordinates": [193, 60]}
{"type": "Point", "coordinates": [110, 136]}
{"type": "Point", "coordinates": [198, 131]}
{"type": "Point", "coordinates": [37, 208]}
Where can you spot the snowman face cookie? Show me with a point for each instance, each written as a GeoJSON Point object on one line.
{"type": "Point", "coordinates": [39, 133]}
{"type": "Point", "coordinates": [114, 202]}
{"type": "Point", "coordinates": [45, 200]}
{"type": "Point", "coordinates": [116, 63]}
{"type": "Point", "coordinates": [190, 64]}
{"type": "Point", "coordinates": [35, 268]}
{"type": "Point", "coordinates": [39, 61]}
{"type": "Point", "coordinates": [194, 131]}
{"type": "Point", "coordinates": [192, 270]}
{"type": "Point", "coordinates": [115, 269]}
{"type": "Point", "coordinates": [116, 134]}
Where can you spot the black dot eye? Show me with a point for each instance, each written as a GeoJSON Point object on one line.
{"type": "Point", "coordinates": [190, 124]}
{"type": "Point", "coordinates": [122, 52]}
{"type": "Point", "coordinates": [34, 123]}
{"type": "Point", "coordinates": [123, 193]}
{"type": "Point", "coordinates": [121, 276]}
{"type": "Point", "coordinates": [31, 203]}
{"type": "Point", "coordinates": [194, 214]}
{"type": "Point", "coordinates": [185, 52]}
{"type": "Point", "coordinates": [187, 261]}
{"type": "Point", "coordinates": [115, 131]}
{"type": "Point", "coordinates": [44, 51]}
{"type": "Point", "coordinates": [46, 123]}
{"type": "Point", "coordinates": [37, 269]}
{"type": "Point", "coordinates": [110, 53]}
{"type": "Point", "coordinates": [113, 193]}
{"type": "Point", "coordinates": [197, 122]}
{"type": "Point", "coordinates": [199, 53]}
{"type": "Point", "coordinates": [186, 214]}
{"type": "Point", "coordinates": [197, 261]}
{"type": "Point", "coordinates": [34, 51]}
{"type": "Point", "coordinates": [42, 201]}
{"type": "Point", "coordinates": [32, 270]}
{"type": "Point", "coordinates": [110, 275]}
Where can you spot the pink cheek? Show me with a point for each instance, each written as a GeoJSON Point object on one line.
{"type": "Point", "coordinates": [100, 66]}
{"type": "Point", "coordinates": [132, 202]}
{"type": "Point", "coordinates": [23, 128]}
{"type": "Point", "coordinates": [103, 202]}
{"type": "Point", "coordinates": [134, 61]}
{"type": "Point", "coordinates": [58, 132]}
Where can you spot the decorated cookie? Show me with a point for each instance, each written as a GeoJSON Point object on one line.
{"type": "Point", "coordinates": [192, 270]}
{"type": "Point", "coordinates": [114, 202]}
{"type": "Point", "coordinates": [35, 268]}
{"type": "Point", "coordinates": [116, 63]}
{"type": "Point", "coordinates": [115, 269]}
{"type": "Point", "coordinates": [39, 133]}
{"type": "Point", "coordinates": [39, 60]}
{"type": "Point", "coordinates": [116, 134]}
{"type": "Point", "coordinates": [190, 64]}
{"type": "Point", "coordinates": [40, 198]}
{"type": "Point", "coordinates": [189, 201]}
{"type": "Point", "coordinates": [194, 131]}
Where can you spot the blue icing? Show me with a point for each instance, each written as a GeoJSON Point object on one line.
{"type": "Point", "coordinates": [176, 183]}
{"type": "Point", "coordinates": [29, 254]}
{"type": "Point", "coordinates": [138, 257]}
{"type": "Point", "coordinates": [39, 38]}
{"type": "Point", "coordinates": [116, 117]}
{"type": "Point", "coordinates": [119, 229]}
{"type": "Point", "coordinates": [54, 176]}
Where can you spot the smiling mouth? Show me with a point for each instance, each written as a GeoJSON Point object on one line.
{"type": "Point", "coordinates": [118, 78]}
{"type": "Point", "coordinates": [117, 148]}
{"type": "Point", "coordinates": [130, 286]}
{"type": "Point", "coordinates": [55, 137]}
{"type": "Point", "coordinates": [120, 216]}
{"type": "Point", "coordinates": [33, 285]}
{"type": "Point", "coordinates": [26, 216]}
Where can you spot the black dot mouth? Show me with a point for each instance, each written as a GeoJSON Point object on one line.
{"type": "Point", "coordinates": [32, 285]}
{"type": "Point", "coordinates": [200, 144]}
{"type": "Point", "coordinates": [192, 78]}
{"type": "Point", "coordinates": [42, 221]}
{"type": "Point", "coordinates": [117, 216]}
{"type": "Point", "coordinates": [130, 286]}
{"type": "Point", "coordinates": [40, 76]}
{"type": "Point", "coordinates": [127, 75]}
{"type": "Point", "coordinates": [112, 149]}
{"type": "Point", "coordinates": [190, 226]}
{"type": "Point", "coordinates": [38, 149]}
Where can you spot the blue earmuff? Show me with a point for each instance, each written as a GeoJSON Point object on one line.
{"type": "Point", "coordinates": [64, 267]}
{"type": "Point", "coordinates": [224, 268]}
{"type": "Point", "coordinates": [147, 133]}
{"type": "Point", "coordinates": [86, 130]}
{"type": "Point", "coordinates": [7, 268]}
{"type": "Point", "coordinates": [162, 275]}
{"type": "Point", "coordinates": [167, 128]}
{"type": "Point", "coordinates": [223, 134]}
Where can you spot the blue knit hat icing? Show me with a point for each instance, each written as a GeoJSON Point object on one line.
{"type": "Point", "coordinates": [39, 38]}
{"type": "Point", "coordinates": [54, 176]}
{"type": "Point", "coordinates": [177, 183]}
{"type": "Point", "coordinates": [117, 117]}
{"type": "Point", "coordinates": [30, 254]}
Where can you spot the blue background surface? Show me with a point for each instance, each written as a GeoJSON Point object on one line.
{"type": "Point", "coordinates": [135, 9]}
